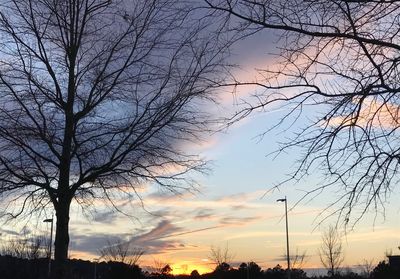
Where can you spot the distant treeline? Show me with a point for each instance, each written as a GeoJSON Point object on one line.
{"type": "Point", "coordinates": [19, 268]}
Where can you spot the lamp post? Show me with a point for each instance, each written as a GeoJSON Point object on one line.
{"type": "Point", "coordinates": [287, 237]}
{"type": "Point", "coordinates": [96, 261]}
{"type": "Point", "coordinates": [51, 242]}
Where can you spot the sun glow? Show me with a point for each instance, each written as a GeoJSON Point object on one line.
{"type": "Point", "coordinates": [187, 268]}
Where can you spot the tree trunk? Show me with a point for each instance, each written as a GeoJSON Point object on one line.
{"type": "Point", "coordinates": [61, 240]}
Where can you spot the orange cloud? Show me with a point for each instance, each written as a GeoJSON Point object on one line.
{"type": "Point", "coordinates": [373, 113]}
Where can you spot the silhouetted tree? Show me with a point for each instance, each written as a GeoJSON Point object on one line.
{"type": "Point", "coordinates": [106, 270]}
{"type": "Point", "coordinates": [223, 267]}
{"type": "Point", "coordinates": [98, 97]}
{"type": "Point", "coordinates": [254, 270]}
{"type": "Point", "coordinates": [219, 255]}
{"type": "Point", "coordinates": [158, 266]}
{"type": "Point", "coordinates": [120, 251]}
{"type": "Point", "coordinates": [194, 274]}
{"type": "Point", "coordinates": [349, 274]}
{"type": "Point", "coordinates": [23, 268]}
{"type": "Point", "coordinates": [298, 273]}
{"type": "Point", "coordinates": [276, 272]}
{"type": "Point", "coordinates": [167, 269]}
{"type": "Point", "coordinates": [250, 270]}
{"type": "Point", "coordinates": [367, 266]}
{"type": "Point", "coordinates": [298, 259]}
{"type": "Point", "coordinates": [25, 247]}
{"type": "Point", "coordinates": [339, 58]}
{"type": "Point", "coordinates": [331, 252]}
{"type": "Point", "coordinates": [243, 266]}
{"type": "Point", "coordinates": [17, 268]}
{"type": "Point", "coordinates": [384, 271]}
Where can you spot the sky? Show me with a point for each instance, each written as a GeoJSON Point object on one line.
{"type": "Point", "coordinates": [233, 208]}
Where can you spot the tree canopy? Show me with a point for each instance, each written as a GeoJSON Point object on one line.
{"type": "Point", "coordinates": [341, 59]}
{"type": "Point", "coordinates": [99, 97]}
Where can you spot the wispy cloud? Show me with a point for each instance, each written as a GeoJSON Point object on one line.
{"type": "Point", "coordinates": [5, 232]}
{"type": "Point", "coordinates": [92, 243]}
{"type": "Point", "coordinates": [155, 242]}
{"type": "Point", "coordinates": [372, 236]}
{"type": "Point", "coordinates": [176, 222]}
{"type": "Point", "coordinates": [372, 113]}
{"type": "Point", "coordinates": [105, 217]}
{"type": "Point", "coordinates": [239, 221]}
{"type": "Point", "coordinates": [204, 214]}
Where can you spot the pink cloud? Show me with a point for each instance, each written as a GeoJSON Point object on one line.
{"type": "Point", "coordinates": [373, 113]}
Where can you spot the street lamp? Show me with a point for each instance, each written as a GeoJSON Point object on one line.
{"type": "Point", "coordinates": [287, 237]}
{"type": "Point", "coordinates": [51, 242]}
{"type": "Point", "coordinates": [96, 261]}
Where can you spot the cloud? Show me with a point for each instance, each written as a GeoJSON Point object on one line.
{"type": "Point", "coordinates": [238, 221]}
{"type": "Point", "coordinates": [373, 113]}
{"type": "Point", "coordinates": [175, 217]}
{"type": "Point", "coordinates": [92, 243]}
{"type": "Point", "coordinates": [9, 232]}
{"type": "Point", "coordinates": [107, 217]}
{"type": "Point", "coordinates": [174, 220]}
{"type": "Point", "coordinates": [187, 207]}
{"type": "Point", "coordinates": [372, 236]}
{"type": "Point", "coordinates": [204, 214]}
{"type": "Point", "coordinates": [192, 212]}
{"type": "Point", "coordinates": [162, 213]}
{"type": "Point", "coordinates": [153, 242]}
{"type": "Point", "coordinates": [163, 228]}
{"type": "Point", "coordinates": [240, 207]}
{"type": "Point", "coordinates": [188, 200]}
{"type": "Point", "coordinates": [168, 196]}
{"type": "Point", "coordinates": [224, 211]}
{"type": "Point", "coordinates": [241, 198]}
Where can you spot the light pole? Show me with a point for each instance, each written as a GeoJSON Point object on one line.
{"type": "Point", "coordinates": [287, 237]}
{"type": "Point", "coordinates": [96, 261]}
{"type": "Point", "coordinates": [51, 242]}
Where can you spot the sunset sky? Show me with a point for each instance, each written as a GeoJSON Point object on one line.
{"type": "Point", "coordinates": [233, 207]}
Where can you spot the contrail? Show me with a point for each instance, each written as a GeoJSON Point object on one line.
{"type": "Point", "coordinates": [189, 232]}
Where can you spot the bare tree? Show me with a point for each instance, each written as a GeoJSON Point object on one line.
{"type": "Point", "coordinates": [219, 255]}
{"type": "Point", "coordinates": [14, 247]}
{"type": "Point", "coordinates": [158, 266]}
{"type": "Point", "coordinates": [38, 247]}
{"type": "Point", "coordinates": [340, 60]}
{"type": "Point", "coordinates": [25, 247]}
{"type": "Point", "coordinates": [98, 97]}
{"type": "Point", "coordinates": [298, 259]}
{"type": "Point", "coordinates": [367, 266]}
{"type": "Point", "coordinates": [120, 251]}
{"type": "Point", "coordinates": [166, 270]}
{"type": "Point", "coordinates": [331, 252]}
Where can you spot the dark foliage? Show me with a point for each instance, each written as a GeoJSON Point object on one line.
{"type": "Point", "coordinates": [17, 268]}
{"type": "Point", "coordinates": [384, 271]}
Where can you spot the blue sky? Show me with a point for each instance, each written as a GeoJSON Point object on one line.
{"type": "Point", "coordinates": [229, 210]}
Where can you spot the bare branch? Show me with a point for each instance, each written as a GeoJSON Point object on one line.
{"type": "Point", "coordinates": [98, 98]}
{"type": "Point", "coordinates": [331, 251]}
{"type": "Point", "coordinates": [339, 63]}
